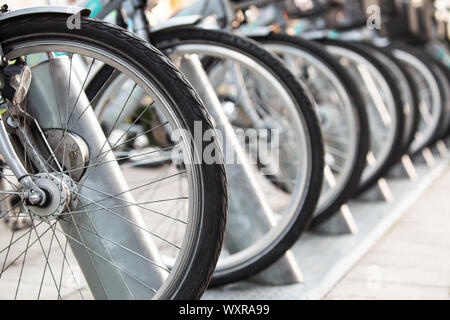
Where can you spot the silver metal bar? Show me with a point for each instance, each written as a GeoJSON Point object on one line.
{"type": "Point", "coordinates": [9, 154]}
{"type": "Point", "coordinates": [16, 166]}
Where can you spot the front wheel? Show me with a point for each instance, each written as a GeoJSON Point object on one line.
{"type": "Point", "coordinates": [259, 95]}
{"type": "Point", "coordinates": [113, 229]}
{"type": "Point", "coordinates": [430, 91]}
{"type": "Point", "coordinates": [342, 114]}
{"type": "Point", "coordinates": [383, 105]}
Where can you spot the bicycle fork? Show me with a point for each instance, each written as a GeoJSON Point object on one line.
{"type": "Point", "coordinates": [18, 85]}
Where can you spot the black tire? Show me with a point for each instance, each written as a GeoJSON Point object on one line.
{"type": "Point", "coordinates": [193, 280]}
{"type": "Point", "coordinates": [437, 131]}
{"type": "Point", "coordinates": [165, 40]}
{"type": "Point", "coordinates": [443, 73]}
{"type": "Point", "coordinates": [442, 69]}
{"type": "Point", "coordinates": [394, 152]}
{"type": "Point", "coordinates": [351, 182]}
{"type": "Point", "coordinates": [412, 114]}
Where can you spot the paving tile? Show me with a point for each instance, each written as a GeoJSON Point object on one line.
{"type": "Point", "coordinates": [411, 261]}
{"type": "Point", "coordinates": [360, 290]}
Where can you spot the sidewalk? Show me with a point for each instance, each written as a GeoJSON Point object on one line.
{"type": "Point", "coordinates": [412, 261]}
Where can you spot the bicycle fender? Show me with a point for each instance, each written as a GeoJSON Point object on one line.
{"type": "Point", "coordinates": [261, 31]}
{"type": "Point", "coordinates": [176, 23]}
{"type": "Point", "coordinates": [67, 10]}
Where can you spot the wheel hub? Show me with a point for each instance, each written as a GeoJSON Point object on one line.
{"type": "Point", "coordinates": [61, 196]}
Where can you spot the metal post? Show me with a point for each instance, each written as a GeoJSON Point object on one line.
{"type": "Point", "coordinates": [107, 266]}
{"type": "Point", "coordinates": [341, 223]}
{"type": "Point", "coordinates": [428, 157]}
{"type": "Point", "coordinates": [442, 148]}
{"type": "Point", "coordinates": [404, 169]}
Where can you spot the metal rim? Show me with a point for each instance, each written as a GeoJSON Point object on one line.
{"type": "Point", "coordinates": [405, 89]}
{"type": "Point", "coordinates": [193, 175]}
{"type": "Point", "coordinates": [427, 125]}
{"type": "Point", "coordinates": [246, 256]}
{"type": "Point", "coordinates": [348, 120]}
{"type": "Point", "coordinates": [388, 115]}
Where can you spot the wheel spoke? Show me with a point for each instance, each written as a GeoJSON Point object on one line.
{"type": "Point", "coordinates": [23, 264]}
{"type": "Point", "coordinates": [106, 260]}
{"type": "Point", "coordinates": [127, 220]}
{"type": "Point", "coordinates": [125, 248]}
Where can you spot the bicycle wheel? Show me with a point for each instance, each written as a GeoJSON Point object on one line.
{"type": "Point", "coordinates": [431, 95]}
{"type": "Point", "coordinates": [439, 53]}
{"type": "Point", "coordinates": [342, 114]}
{"type": "Point", "coordinates": [120, 231]}
{"type": "Point", "coordinates": [383, 105]}
{"type": "Point", "coordinates": [443, 75]}
{"type": "Point", "coordinates": [407, 89]}
{"type": "Point", "coordinates": [444, 79]}
{"type": "Point", "coordinates": [258, 92]}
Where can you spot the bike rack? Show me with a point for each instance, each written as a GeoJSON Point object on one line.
{"type": "Point", "coordinates": [286, 270]}
{"type": "Point", "coordinates": [341, 223]}
{"type": "Point", "coordinates": [346, 224]}
{"type": "Point", "coordinates": [344, 221]}
{"type": "Point", "coordinates": [329, 252]}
